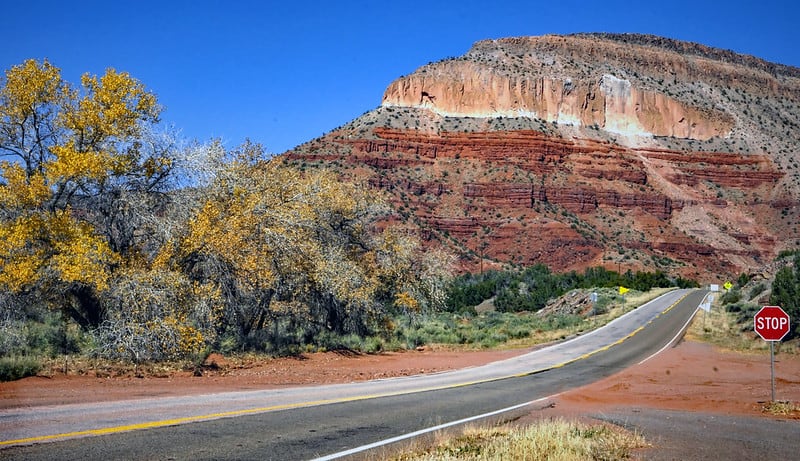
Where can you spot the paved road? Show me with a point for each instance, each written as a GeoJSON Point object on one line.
{"type": "Point", "coordinates": [690, 436]}
{"type": "Point", "coordinates": [303, 423]}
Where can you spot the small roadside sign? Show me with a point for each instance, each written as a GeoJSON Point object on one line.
{"type": "Point", "coordinates": [727, 286]}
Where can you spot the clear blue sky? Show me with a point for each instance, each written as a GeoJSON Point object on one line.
{"type": "Point", "coordinates": [282, 73]}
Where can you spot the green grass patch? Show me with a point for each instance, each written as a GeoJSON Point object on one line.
{"type": "Point", "coordinates": [483, 331]}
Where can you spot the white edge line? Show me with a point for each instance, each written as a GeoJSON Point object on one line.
{"type": "Point", "coordinates": [451, 386]}
{"type": "Point", "coordinates": [420, 432]}
{"type": "Point", "coordinates": [428, 430]}
{"type": "Point", "coordinates": [680, 333]}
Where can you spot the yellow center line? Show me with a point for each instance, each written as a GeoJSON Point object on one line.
{"type": "Point", "coordinates": [288, 406]}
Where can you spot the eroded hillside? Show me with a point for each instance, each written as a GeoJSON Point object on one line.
{"type": "Point", "coordinates": [627, 151]}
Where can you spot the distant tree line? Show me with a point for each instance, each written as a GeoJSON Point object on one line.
{"type": "Point", "coordinates": [532, 288]}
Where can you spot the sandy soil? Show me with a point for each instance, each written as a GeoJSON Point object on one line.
{"type": "Point", "coordinates": [690, 379]}
{"type": "Point", "coordinates": [220, 375]}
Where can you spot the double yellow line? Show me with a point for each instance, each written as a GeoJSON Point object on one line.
{"type": "Point", "coordinates": [250, 411]}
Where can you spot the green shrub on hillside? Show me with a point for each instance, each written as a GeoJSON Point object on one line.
{"type": "Point", "coordinates": [487, 330]}
{"type": "Point", "coordinates": [731, 297]}
{"type": "Point", "coordinates": [786, 293]}
{"type": "Point", "coordinates": [533, 288]}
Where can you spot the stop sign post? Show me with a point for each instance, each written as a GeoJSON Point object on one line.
{"type": "Point", "coordinates": [772, 324]}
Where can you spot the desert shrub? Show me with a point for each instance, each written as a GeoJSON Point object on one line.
{"type": "Point", "coordinates": [469, 290]}
{"type": "Point", "coordinates": [48, 335]}
{"type": "Point", "coordinates": [532, 288]}
{"type": "Point", "coordinates": [557, 322]}
{"type": "Point", "coordinates": [332, 341]}
{"type": "Point", "coordinates": [731, 296]}
{"type": "Point", "coordinates": [373, 345]}
{"type": "Point", "coordinates": [735, 307]}
{"type": "Point", "coordinates": [742, 279]}
{"type": "Point", "coordinates": [12, 337]}
{"type": "Point", "coordinates": [412, 338]}
{"type": "Point", "coordinates": [603, 303]}
{"type": "Point", "coordinates": [744, 312]}
{"type": "Point", "coordinates": [17, 367]}
{"type": "Point", "coordinates": [786, 293]}
{"type": "Point", "coordinates": [517, 331]}
{"type": "Point", "coordinates": [485, 330]}
{"type": "Point", "coordinates": [156, 315]}
{"type": "Point", "coordinates": [757, 290]}
{"type": "Point", "coordinates": [440, 329]}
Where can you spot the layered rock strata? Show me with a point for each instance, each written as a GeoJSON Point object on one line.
{"type": "Point", "coordinates": [627, 151]}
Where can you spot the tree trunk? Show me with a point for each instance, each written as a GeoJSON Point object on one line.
{"type": "Point", "coordinates": [84, 307]}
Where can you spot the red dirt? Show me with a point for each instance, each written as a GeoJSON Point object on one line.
{"type": "Point", "coordinates": [690, 377]}
{"type": "Point", "coordinates": [693, 377]}
{"type": "Point", "coordinates": [723, 392]}
{"type": "Point", "coordinates": [221, 375]}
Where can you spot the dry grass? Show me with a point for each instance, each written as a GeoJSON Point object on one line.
{"type": "Point", "coordinates": [782, 408]}
{"type": "Point", "coordinates": [720, 329]}
{"type": "Point", "coordinates": [104, 368]}
{"type": "Point", "coordinates": [556, 439]}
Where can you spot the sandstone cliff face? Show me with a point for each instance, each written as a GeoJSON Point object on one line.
{"type": "Point", "coordinates": [466, 89]}
{"type": "Point", "coordinates": [630, 152]}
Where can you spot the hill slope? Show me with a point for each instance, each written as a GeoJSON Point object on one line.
{"type": "Point", "coordinates": [627, 151]}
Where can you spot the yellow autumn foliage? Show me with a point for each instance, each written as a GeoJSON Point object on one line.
{"type": "Point", "coordinates": [79, 255]}
{"type": "Point", "coordinates": [28, 85]}
{"type": "Point", "coordinates": [261, 244]}
{"type": "Point", "coordinates": [112, 106]}
{"type": "Point", "coordinates": [32, 245]}
{"type": "Point", "coordinates": [157, 314]}
{"type": "Point", "coordinates": [62, 143]}
{"type": "Point", "coordinates": [294, 243]}
{"type": "Point", "coordinates": [21, 191]}
{"type": "Point", "coordinates": [405, 301]}
{"type": "Point", "coordinates": [70, 164]}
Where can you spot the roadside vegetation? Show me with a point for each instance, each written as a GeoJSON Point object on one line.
{"type": "Point", "coordinates": [119, 243]}
{"type": "Point", "coordinates": [729, 324]}
{"type": "Point", "coordinates": [556, 439]}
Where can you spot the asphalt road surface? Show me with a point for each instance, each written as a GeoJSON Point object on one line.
{"type": "Point", "coordinates": [311, 422]}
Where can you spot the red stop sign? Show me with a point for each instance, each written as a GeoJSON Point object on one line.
{"type": "Point", "coordinates": [771, 323]}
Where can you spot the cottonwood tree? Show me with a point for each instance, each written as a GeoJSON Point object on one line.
{"type": "Point", "coordinates": [156, 315]}
{"type": "Point", "coordinates": [281, 244]}
{"type": "Point", "coordinates": [72, 157]}
{"type": "Point", "coordinates": [298, 253]}
{"type": "Point", "coordinates": [94, 221]}
{"type": "Point", "coordinates": [414, 278]}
